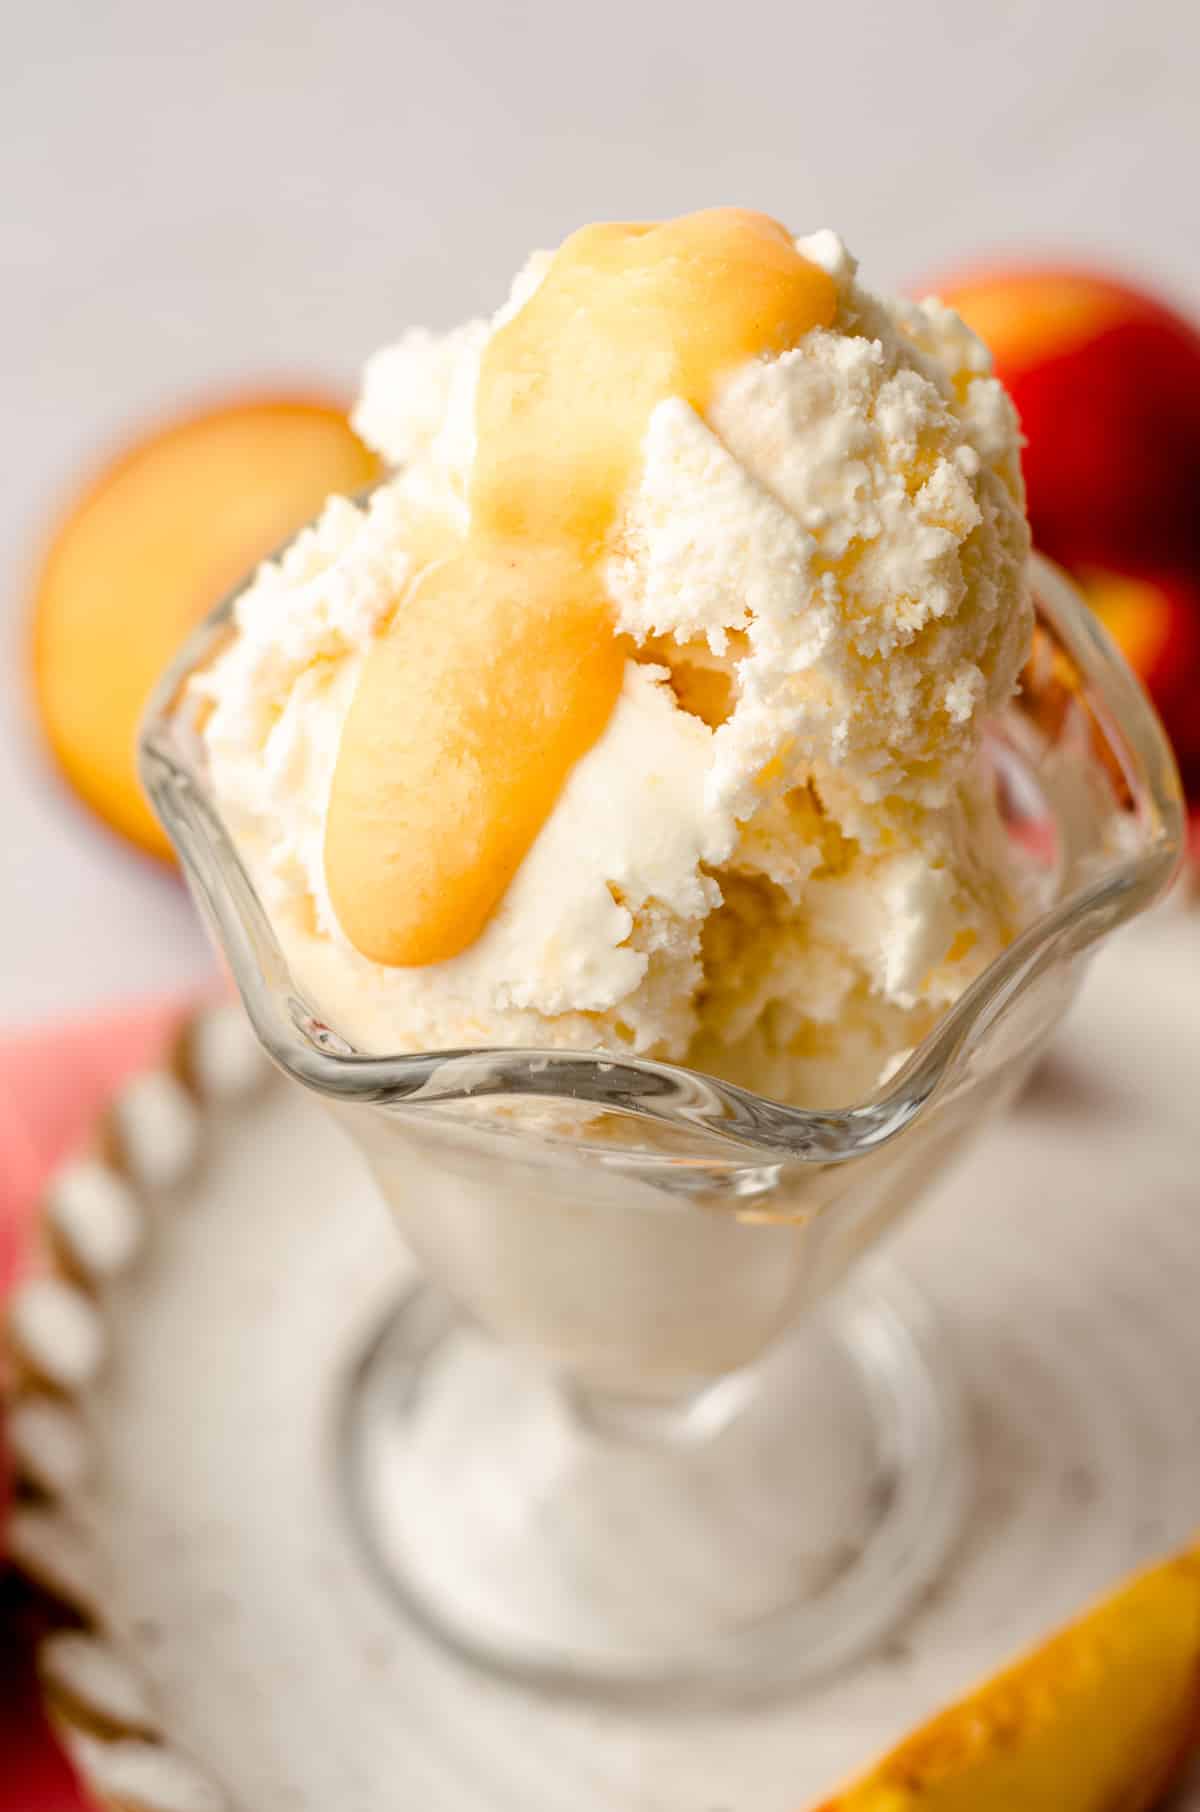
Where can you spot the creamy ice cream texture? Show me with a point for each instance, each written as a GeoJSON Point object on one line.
{"type": "Point", "coordinates": [641, 708]}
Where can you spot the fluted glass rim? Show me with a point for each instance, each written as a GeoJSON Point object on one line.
{"type": "Point", "coordinates": [294, 1036]}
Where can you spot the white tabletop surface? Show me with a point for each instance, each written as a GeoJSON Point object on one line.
{"type": "Point", "coordinates": [255, 188]}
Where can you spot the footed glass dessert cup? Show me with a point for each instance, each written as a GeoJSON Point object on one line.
{"type": "Point", "coordinates": [654, 1420]}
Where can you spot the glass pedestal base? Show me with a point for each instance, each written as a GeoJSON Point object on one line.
{"type": "Point", "coordinates": [770, 1529]}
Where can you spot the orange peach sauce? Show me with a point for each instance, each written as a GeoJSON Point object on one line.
{"type": "Point", "coordinates": [501, 665]}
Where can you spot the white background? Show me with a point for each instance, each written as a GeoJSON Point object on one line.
{"type": "Point", "coordinates": [247, 189]}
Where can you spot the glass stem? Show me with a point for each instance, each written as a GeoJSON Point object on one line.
{"type": "Point", "coordinates": [687, 1420]}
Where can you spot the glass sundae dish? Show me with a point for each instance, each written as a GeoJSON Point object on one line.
{"type": "Point", "coordinates": [629, 822]}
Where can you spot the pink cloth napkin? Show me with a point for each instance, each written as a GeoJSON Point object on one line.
{"type": "Point", "coordinates": [53, 1084]}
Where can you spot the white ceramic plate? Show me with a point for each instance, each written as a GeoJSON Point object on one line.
{"type": "Point", "coordinates": [178, 1413]}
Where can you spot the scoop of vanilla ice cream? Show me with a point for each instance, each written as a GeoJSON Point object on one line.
{"type": "Point", "coordinates": [781, 860]}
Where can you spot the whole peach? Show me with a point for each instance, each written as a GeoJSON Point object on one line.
{"type": "Point", "coordinates": [1155, 620]}
{"type": "Point", "coordinates": [1107, 383]}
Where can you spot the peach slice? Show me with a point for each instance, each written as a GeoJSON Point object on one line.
{"type": "Point", "coordinates": [151, 545]}
{"type": "Point", "coordinates": [1099, 1719]}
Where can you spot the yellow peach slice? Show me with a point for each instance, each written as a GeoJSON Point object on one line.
{"type": "Point", "coordinates": [1099, 1719]}
{"type": "Point", "coordinates": [152, 544]}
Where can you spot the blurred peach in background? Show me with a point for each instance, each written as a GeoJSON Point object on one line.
{"type": "Point", "coordinates": [1106, 379]}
